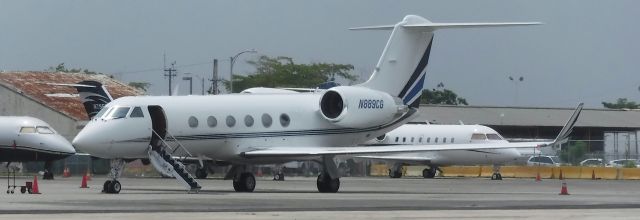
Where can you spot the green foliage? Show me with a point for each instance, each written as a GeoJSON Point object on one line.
{"type": "Point", "coordinates": [61, 68]}
{"type": "Point", "coordinates": [140, 85]}
{"type": "Point", "coordinates": [575, 153]}
{"type": "Point", "coordinates": [629, 164]}
{"type": "Point", "coordinates": [621, 103]}
{"type": "Point", "coordinates": [283, 72]}
{"type": "Point", "coordinates": [444, 96]}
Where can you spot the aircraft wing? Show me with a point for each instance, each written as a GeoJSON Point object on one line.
{"type": "Point", "coordinates": [380, 149]}
{"type": "Point", "coordinates": [403, 158]}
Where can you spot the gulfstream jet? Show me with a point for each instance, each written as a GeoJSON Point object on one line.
{"type": "Point", "coordinates": [431, 134]}
{"type": "Point", "coordinates": [242, 129]}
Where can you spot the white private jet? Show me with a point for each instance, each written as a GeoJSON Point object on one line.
{"type": "Point", "coordinates": [242, 129]}
{"type": "Point", "coordinates": [432, 134]}
{"type": "Point", "coordinates": [26, 139]}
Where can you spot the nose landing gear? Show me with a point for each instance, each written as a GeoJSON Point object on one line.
{"type": "Point", "coordinates": [113, 186]}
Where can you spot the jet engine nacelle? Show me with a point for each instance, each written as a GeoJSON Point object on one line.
{"type": "Point", "coordinates": [359, 107]}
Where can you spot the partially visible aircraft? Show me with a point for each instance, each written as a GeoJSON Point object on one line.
{"type": "Point", "coordinates": [242, 130]}
{"type": "Point", "coordinates": [433, 134]}
{"type": "Point", "coordinates": [26, 139]}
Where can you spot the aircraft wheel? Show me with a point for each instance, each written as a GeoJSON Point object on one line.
{"type": "Point", "coordinates": [429, 173]}
{"type": "Point", "coordinates": [248, 182]}
{"type": "Point", "coordinates": [201, 173]}
{"type": "Point", "coordinates": [327, 185]}
{"type": "Point", "coordinates": [395, 174]}
{"type": "Point", "coordinates": [237, 187]}
{"type": "Point", "coordinates": [105, 186]}
{"type": "Point", "coordinates": [115, 187]}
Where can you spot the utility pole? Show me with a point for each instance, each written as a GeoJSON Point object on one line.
{"type": "Point", "coordinates": [214, 78]}
{"type": "Point", "coordinates": [169, 72]}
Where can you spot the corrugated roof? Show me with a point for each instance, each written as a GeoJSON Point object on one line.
{"type": "Point", "coordinates": [34, 86]}
{"type": "Point", "coordinates": [525, 116]}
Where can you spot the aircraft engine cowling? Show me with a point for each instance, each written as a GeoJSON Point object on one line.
{"type": "Point", "coordinates": [359, 107]}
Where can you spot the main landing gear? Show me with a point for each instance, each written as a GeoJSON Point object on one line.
{"type": "Point", "coordinates": [245, 182]}
{"type": "Point", "coordinates": [113, 186]}
{"type": "Point", "coordinates": [48, 172]}
{"type": "Point", "coordinates": [326, 184]}
{"type": "Point", "coordinates": [395, 171]}
{"type": "Point", "coordinates": [430, 172]}
{"type": "Point", "coordinates": [496, 173]}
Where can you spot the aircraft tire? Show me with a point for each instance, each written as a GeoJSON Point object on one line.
{"type": "Point", "coordinates": [105, 186]}
{"type": "Point", "coordinates": [394, 174]}
{"type": "Point", "coordinates": [201, 173]}
{"type": "Point", "coordinates": [115, 187]}
{"type": "Point", "coordinates": [429, 173]}
{"type": "Point", "coordinates": [327, 185]}
{"type": "Point", "coordinates": [248, 182]}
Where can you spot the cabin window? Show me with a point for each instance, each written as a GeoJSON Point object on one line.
{"type": "Point", "coordinates": [428, 140]}
{"type": "Point", "coordinates": [136, 113]}
{"type": "Point", "coordinates": [397, 138]}
{"type": "Point", "coordinates": [27, 130]}
{"type": "Point", "coordinates": [494, 137]}
{"type": "Point", "coordinates": [212, 121]}
{"type": "Point", "coordinates": [102, 112]}
{"type": "Point", "coordinates": [266, 120]}
{"type": "Point", "coordinates": [44, 130]}
{"type": "Point", "coordinates": [412, 139]}
{"type": "Point", "coordinates": [381, 137]}
{"type": "Point", "coordinates": [478, 136]}
{"type": "Point", "coordinates": [420, 140]}
{"type": "Point", "coordinates": [453, 140]}
{"type": "Point", "coordinates": [231, 121]}
{"type": "Point", "coordinates": [284, 120]}
{"type": "Point", "coordinates": [248, 121]}
{"type": "Point", "coordinates": [436, 140]}
{"type": "Point", "coordinates": [404, 139]}
{"type": "Point", "coordinates": [193, 122]}
{"type": "Point", "coordinates": [120, 112]}
{"type": "Point", "coordinates": [444, 140]}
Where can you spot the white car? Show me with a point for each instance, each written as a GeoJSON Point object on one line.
{"type": "Point", "coordinates": [592, 162]}
{"type": "Point", "coordinates": [622, 162]}
{"type": "Point", "coordinates": [543, 161]}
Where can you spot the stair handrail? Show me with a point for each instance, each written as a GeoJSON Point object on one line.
{"type": "Point", "coordinates": [179, 145]}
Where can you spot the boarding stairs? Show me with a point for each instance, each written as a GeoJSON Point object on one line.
{"type": "Point", "coordinates": [161, 156]}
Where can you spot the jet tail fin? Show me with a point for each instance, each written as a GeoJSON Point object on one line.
{"type": "Point", "coordinates": [401, 69]}
{"type": "Point", "coordinates": [568, 126]}
{"type": "Point", "coordinates": [93, 94]}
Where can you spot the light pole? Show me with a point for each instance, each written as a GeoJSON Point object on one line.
{"type": "Point", "coordinates": [190, 83]}
{"type": "Point", "coordinates": [516, 82]}
{"type": "Point", "coordinates": [233, 60]}
{"type": "Point", "coordinates": [190, 78]}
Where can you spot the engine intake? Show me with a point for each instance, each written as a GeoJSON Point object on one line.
{"type": "Point", "coordinates": [359, 107]}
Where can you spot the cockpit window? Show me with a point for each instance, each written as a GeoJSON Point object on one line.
{"type": "Point", "coordinates": [136, 113]}
{"type": "Point", "coordinates": [27, 130]}
{"type": "Point", "coordinates": [478, 136]}
{"type": "Point", "coordinates": [494, 137]}
{"type": "Point", "coordinates": [102, 112]}
{"type": "Point", "coordinates": [119, 112]}
{"type": "Point", "coordinates": [44, 130]}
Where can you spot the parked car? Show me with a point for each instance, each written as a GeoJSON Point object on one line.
{"type": "Point", "coordinates": [623, 162]}
{"type": "Point", "coordinates": [592, 162]}
{"type": "Point", "coordinates": [543, 161]}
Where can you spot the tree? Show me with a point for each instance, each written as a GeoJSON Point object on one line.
{"type": "Point", "coordinates": [574, 153]}
{"type": "Point", "coordinates": [444, 96]}
{"type": "Point", "coordinates": [140, 85]}
{"type": "Point", "coordinates": [621, 103]}
{"type": "Point", "coordinates": [283, 72]}
{"type": "Point", "coordinates": [62, 68]}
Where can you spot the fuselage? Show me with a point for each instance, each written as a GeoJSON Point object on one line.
{"type": "Point", "coordinates": [31, 139]}
{"type": "Point", "coordinates": [220, 127]}
{"type": "Point", "coordinates": [423, 134]}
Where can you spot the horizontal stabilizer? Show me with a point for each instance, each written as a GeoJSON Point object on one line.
{"type": "Point", "coordinates": [434, 26]}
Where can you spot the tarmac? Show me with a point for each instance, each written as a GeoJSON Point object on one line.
{"type": "Point", "coordinates": [359, 198]}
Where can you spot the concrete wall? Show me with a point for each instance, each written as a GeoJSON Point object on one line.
{"type": "Point", "coordinates": [15, 104]}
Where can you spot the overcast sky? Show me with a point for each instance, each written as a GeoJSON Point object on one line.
{"type": "Point", "coordinates": [586, 50]}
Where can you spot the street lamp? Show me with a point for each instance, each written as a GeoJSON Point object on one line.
{"type": "Point", "coordinates": [516, 82]}
{"type": "Point", "coordinates": [233, 60]}
{"type": "Point", "coordinates": [190, 78]}
{"type": "Point", "coordinates": [190, 83]}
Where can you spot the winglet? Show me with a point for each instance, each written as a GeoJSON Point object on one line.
{"type": "Point", "coordinates": [568, 127]}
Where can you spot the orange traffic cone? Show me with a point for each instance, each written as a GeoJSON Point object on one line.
{"type": "Point", "coordinates": [34, 186]}
{"type": "Point", "coordinates": [538, 179]}
{"type": "Point", "coordinates": [84, 182]}
{"type": "Point", "coordinates": [593, 174]}
{"type": "Point", "coordinates": [88, 175]}
{"type": "Point", "coordinates": [66, 172]}
{"type": "Point", "coordinates": [563, 190]}
{"type": "Point", "coordinates": [560, 177]}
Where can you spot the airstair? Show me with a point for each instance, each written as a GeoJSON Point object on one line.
{"type": "Point", "coordinates": [161, 156]}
